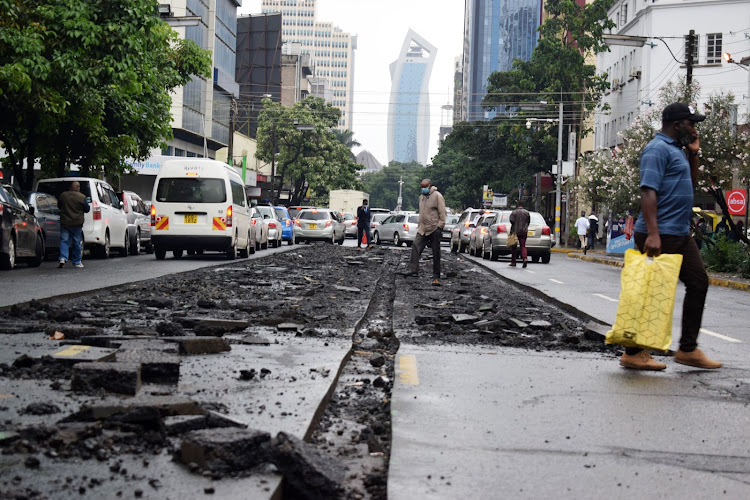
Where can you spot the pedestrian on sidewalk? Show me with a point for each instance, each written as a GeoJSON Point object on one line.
{"type": "Point", "coordinates": [363, 224]}
{"type": "Point", "coordinates": [519, 225]}
{"type": "Point", "coordinates": [430, 226]}
{"type": "Point", "coordinates": [668, 174]}
{"type": "Point", "coordinates": [593, 230]}
{"type": "Point", "coordinates": [72, 204]}
{"type": "Point", "coordinates": [582, 226]}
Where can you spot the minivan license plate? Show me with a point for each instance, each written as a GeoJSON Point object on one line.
{"type": "Point", "coordinates": [313, 226]}
{"type": "Point", "coordinates": [191, 219]}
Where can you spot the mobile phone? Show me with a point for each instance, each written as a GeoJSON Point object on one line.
{"type": "Point", "coordinates": [685, 140]}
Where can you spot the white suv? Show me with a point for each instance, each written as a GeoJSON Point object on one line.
{"type": "Point", "coordinates": [106, 224]}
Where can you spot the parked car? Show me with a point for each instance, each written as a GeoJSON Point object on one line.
{"type": "Point", "coordinates": [258, 230]}
{"type": "Point", "coordinates": [295, 210]}
{"type": "Point", "coordinates": [105, 225]}
{"type": "Point", "coordinates": [350, 224]}
{"type": "Point", "coordinates": [48, 216]}
{"type": "Point", "coordinates": [287, 231]}
{"type": "Point", "coordinates": [20, 234]}
{"type": "Point", "coordinates": [539, 241]}
{"type": "Point", "coordinates": [450, 224]}
{"type": "Point", "coordinates": [273, 223]}
{"type": "Point", "coordinates": [476, 239]}
{"type": "Point", "coordinates": [139, 222]}
{"type": "Point", "coordinates": [397, 228]}
{"type": "Point", "coordinates": [199, 205]}
{"type": "Point", "coordinates": [376, 219]}
{"type": "Point", "coordinates": [462, 231]}
{"type": "Point", "coordinates": [319, 224]}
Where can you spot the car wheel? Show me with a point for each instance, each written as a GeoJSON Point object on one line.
{"type": "Point", "coordinates": [245, 252]}
{"type": "Point", "coordinates": [102, 251]}
{"type": "Point", "coordinates": [461, 247]}
{"type": "Point", "coordinates": [8, 260]}
{"type": "Point", "coordinates": [290, 241]}
{"type": "Point", "coordinates": [535, 258]}
{"type": "Point", "coordinates": [177, 254]}
{"type": "Point", "coordinates": [494, 254]}
{"type": "Point", "coordinates": [232, 251]}
{"type": "Point", "coordinates": [408, 243]}
{"type": "Point", "coordinates": [485, 254]}
{"type": "Point", "coordinates": [149, 247]}
{"type": "Point", "coordinates": [199, 251]}
{"type": "Point", "coordinates": [341, 241]}
{"type": "Point", "coordinates": [123, 252]}
{"type": "Point", "coordinates": [264, 246]}
{"type": "Point", "coordinates": [252, 247]}
{"type": "Point", "coordinates": [160, 254]}
{"type": "Point", "coordinates": [376, 238]}
{"type": "Point", "coordinates": [396, 240]}
{"type": "Point", "coordinates": [38, 251]}
{"type": "Point", "coordinates": [135, 247]}
{"type": "Point", "coordinates": [454, 248]}
{"type": "Point", "coordinates": [546, 257]}
{"type": "Point", "coordinates": [190, 252]}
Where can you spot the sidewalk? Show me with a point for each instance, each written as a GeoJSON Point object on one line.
{"type": "Point", "coordinates": [611, 259]}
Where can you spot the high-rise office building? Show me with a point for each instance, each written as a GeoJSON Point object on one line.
{"type": "Point", "coordinates": [495, 33]}
{"type": "Point", "coordinates": [409, 109]}
{"type": "Point", "coordinates": [331, 48]}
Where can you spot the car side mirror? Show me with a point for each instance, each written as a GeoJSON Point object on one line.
{"type": "Point", "coordinates": [31, 210]}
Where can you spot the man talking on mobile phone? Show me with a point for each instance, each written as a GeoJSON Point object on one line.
{"type": "Point", "coordinates": [668, 174]}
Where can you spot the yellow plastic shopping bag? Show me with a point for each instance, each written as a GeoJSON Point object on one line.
{"type": "Point", "coordinates": [644, 314]}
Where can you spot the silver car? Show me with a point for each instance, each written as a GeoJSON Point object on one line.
{"type": "Point", "coordinates": [350, 224]}
{"type": "Point", "coordinates": [272, 222]}
{"type": "Point", "coordinates": [319, 224]}
{"type": "Point", "coordinates": [539, 241]}
{"type": "Point", "coordinates": [259, 230]}
{"type": "Point", "coordinates": [476, 239]}
{"type": "Point", "coordinates": [450, 224]}
{"type": "Point", "coordinates": [139, 222]}
{"type": "Point", "coordinates": [397, 228]}
{"type": "Point", "coordinates": [48, 216]}
{"type": "Point", "coordinates": [462, 231]}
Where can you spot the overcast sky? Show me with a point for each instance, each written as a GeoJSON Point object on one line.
{"type": "Point", "coordinates": [381, 26]}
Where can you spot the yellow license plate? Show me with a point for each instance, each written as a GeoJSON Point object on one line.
{"type": "Point", "coordinates": [313, 226]}
{"type": "Point", "coordinates": [531, 233]}
{"type": "Point", "coordinates": [191, 219]}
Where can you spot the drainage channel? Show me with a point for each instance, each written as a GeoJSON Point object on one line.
{"type": "Point", "coordinates": [355, 427]}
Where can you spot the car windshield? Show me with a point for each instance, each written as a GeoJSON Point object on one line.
{"type": "Point", "coordinates": [413, 219]}
{"type": "Point", "coordinates": [348, 217]}
{"type": "Point", "coordinates": [266, 211]}
{"type": "Point", "coordinates": [379, 217]}
{"type": "Point", "coordinates": [451, 219]}
{"type": "Point", "coordinates": [280, 213]}
{"type": "Point", "coordinates": [536, 218]}
{"type": "Point", "coordinates": [58, 187]}
{"type": "Point", "coordinates": [190, 190]}
{"type": "Point", "coordinates": [314, 215]}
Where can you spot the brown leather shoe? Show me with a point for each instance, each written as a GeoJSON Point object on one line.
{"type": "Point", "coordinates": [641, 361]}
{"type": "Point", "coordinates": [696, 358]}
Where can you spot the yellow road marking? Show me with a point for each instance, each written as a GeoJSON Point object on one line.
{"type": "Point", "coordinates": [407, 366]}
{"type": "Point", "coordinates": [73, 350]}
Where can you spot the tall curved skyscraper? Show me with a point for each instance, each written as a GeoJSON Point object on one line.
{"type": "Point", "coordinates": [409, 109]}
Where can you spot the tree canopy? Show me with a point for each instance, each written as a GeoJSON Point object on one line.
{"type": "Point", "coordinates": [308, 155]}
{"type": "Point", "coordinates": [87, 83]}
{"type": "Point", "coordinates": [383, 186]}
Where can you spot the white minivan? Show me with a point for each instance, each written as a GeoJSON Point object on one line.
{"type": "Point", "coordinates": [198, 205]}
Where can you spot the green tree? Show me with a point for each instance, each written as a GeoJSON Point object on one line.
{"type": "Point", "coordinates": [87, 83]}
{"type": "Point", "coordinates": [300, 144]}
{"type": "Point", "coordinates": [346, 137]}
{"type": "Point", "coordinates": [383, 186]}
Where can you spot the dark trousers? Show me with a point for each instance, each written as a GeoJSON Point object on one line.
{"type": "Point", "coordinates": [693, 275]}
{"type": "Point", "coordinates": [420, 242]}
{"type": "Point", "coordinates": [362, 230]}
{"type": "Point", "coordinates": [522, 245]}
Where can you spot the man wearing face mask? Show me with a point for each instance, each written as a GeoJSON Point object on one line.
{"type": "Point", "coordinates": [668, 174]}
{"type": "Point", "coordinates": [429, 229]}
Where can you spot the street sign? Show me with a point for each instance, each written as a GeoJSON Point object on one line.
{"type": "Point", "coordinates": [563, 197]}
{"type": "Point", "coordinates": [737, 201]}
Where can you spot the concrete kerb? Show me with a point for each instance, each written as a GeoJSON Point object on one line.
{"type": "Point", "coordinates": [617, 261]}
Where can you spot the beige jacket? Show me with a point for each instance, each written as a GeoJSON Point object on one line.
{"type": "Point", "coordinates": [431, 212]}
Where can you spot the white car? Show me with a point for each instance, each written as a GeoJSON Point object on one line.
{"type": "Point", "coordinates": [272, 222]}
{"type": "Point", "coordinates": [106, 225]}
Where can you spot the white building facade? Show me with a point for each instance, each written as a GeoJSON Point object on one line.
{"type": "Point", "coordinates": [331, 48]}
{"type": "Point", "coordinates": [636, 74]}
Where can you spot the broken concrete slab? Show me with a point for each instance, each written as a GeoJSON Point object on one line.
{"type": "Point", "coordinates": [251, 339]}
{"type": "Point", "coordinates": [540, 324]}
{"type": "Point", "coordinates": [156, 367]}
{"type": "Point", "coordinates": [119, 378]}
{"type": "Point", "coordinates": [464, 318]}
{"type": "Point", "coordinates": [181, 424]}
{"type": "Point", "coordinates": [112, 342]}
{"type": "Point", "coordinates": [200, 345]}
{"type": "Point", "coordinates": [224, 450]}
{"type": "Point", "coordinates": [518, 322]}
{"type": "Point", "coordinates": [167, 406]}
{"type": "Point", "coordinates": [595, 331]}
{"type": "Point", "coordinates": [347, 288]}
{"type": "Point", "coordinates": [151, 344]}
{"type": "Point", "coordinates": [74, 332]}
{"type": "Point", "coordinates": [289, 326]}
{"type": "Point", "coordinates": [309, 474]}
{"type": "Point", "coordinates": [83, 353]}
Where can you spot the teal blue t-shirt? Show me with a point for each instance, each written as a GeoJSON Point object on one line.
{"type": "Point", "coordinates": [665, 169]}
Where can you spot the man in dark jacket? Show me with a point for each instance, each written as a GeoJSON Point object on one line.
{"type": "Point", "coordinates": [519, 225]}
{"type": "Point", "coordinates": [72, 204]}
{"type": "Point", "coordinates": [363, 224]}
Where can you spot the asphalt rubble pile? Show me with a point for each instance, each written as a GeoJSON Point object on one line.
{"type": "Point", "coordinates": [109, 397]}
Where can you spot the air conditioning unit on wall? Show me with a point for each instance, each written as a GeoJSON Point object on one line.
{"type": "Point", "coordinates": [615, 84]}
{"type": "Point", "coordinates": [635, 73]}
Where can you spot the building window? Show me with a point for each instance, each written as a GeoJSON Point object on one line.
{"type": "Point", "coordinates": [713, 48]}
{"type": "Point", "coordinates": [624, 17]}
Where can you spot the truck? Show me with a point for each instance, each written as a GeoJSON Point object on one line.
{"type": "Point", "coordinates": [346, 200]}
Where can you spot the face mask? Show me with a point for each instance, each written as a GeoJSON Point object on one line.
{"type": "Point", "coordinates": [425, 190]}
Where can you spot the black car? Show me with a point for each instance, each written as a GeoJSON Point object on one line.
{"type": "Point", "coordinates": [21, 237]}
{"type": "Point", "coordinates": [48, 216]}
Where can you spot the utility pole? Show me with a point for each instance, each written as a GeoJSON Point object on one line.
{"type": "Point", "coordinates": [400, 199]}
{"type": "Point", "coordinates": [558, 197]}
{"type": "Point", "coordinates": [689, 63]}
{"type": "Point", "coordinates": [230, 141]}
{"type": "Point", "coordinates": [273, 162]}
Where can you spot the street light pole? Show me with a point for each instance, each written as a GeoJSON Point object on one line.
{"type": "Point", "coordinates": [558, 201]}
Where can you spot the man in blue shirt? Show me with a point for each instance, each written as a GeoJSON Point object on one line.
{"type": "Point", "coordinates": [667, 177]}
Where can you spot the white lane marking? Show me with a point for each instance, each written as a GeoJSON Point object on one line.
{"type": "Point", "coordinates": [532, 272]}
{"type": "Point", "coordinates": [720, 336]}
{"type": "Point", "coordinates": [555, 281]}
{"type": "Point", "coordinates": [605, 297]}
